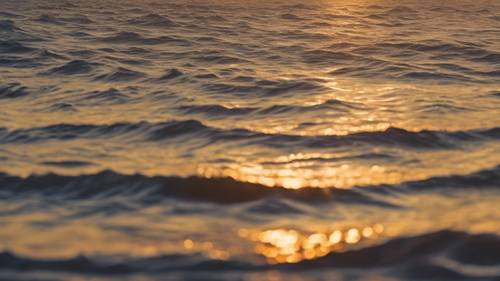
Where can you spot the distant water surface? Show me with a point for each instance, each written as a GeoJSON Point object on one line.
{"type": "Point", "coordinates": [249, 140]}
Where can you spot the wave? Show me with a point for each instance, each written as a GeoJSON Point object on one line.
{"type": "Point", "coordinates": [219, 59]}
{"type": "Point", "coordinates": [8, 26]}
{"type": "Point", "coordinates": [16, 62]}
{"type": "Point", "coordinates": [438, 72]}
{"type": "Point", "coordinates": [437, 47]}
{"type": "Point", "coordinates": [14, 47]}
{"type": "Point", "coordinates": [482, 178]}
{"type": "Point", "coordinates": [266, 88]}
{"type": "Point", "coordinates": [149, 189]}
{"type": "Point", "coordinates": [6, 14]}
{"type": "Point", "coordinates": [52, 19]}
{"type": "Point", "coordinates": [135, 38]}
{"type": "Point", "coordinates": [45, 18]}
{"type": "Point", "coordinates": [121, 74]}
{"type": "Point", "coordinates": [170, 74]}
{"type": "Point", "coordinates": [401, 255]}
{"type": "Point", "coordinates": [61, 106]}
{"type": "Point", "coordinates": [213, 110]}
{"type": "Point", "coordinates": [216, 190]}
{"type": "Point", "coordinates": [157, 132]}
{"type": "Point", "coordinates": [416, 257]}
{"type": "Point", "coordinates": [376, 61]}
{"type": "Point", "coordinates": [74, 67]}
{"type": "Point", "coordinates": [152, 20]}
{"type": "Point", "coordinates": [13, 90]}
{"type": "Point", "coordinates": [111, 95]}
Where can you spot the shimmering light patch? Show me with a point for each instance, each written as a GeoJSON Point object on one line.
{"type": "Point", "coordinates": [294, 176]}
{"type": "Point", "coordinates": [352, 236]}
{"type": "Point", "coordinates": [206, 248]}
{"type": "Point", "coordinates": [291, 246]}
{"type": "Point", "coordinates": [188, 244]}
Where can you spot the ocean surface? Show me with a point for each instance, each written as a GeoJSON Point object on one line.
{"type": "Point", "coordinates": [249, 140]}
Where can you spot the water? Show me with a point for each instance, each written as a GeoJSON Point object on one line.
{"type": "Point", "coordinates": [249, 140]}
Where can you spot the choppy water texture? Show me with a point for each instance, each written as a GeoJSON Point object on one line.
{"type": "Point", "coordinates": [249, 140]}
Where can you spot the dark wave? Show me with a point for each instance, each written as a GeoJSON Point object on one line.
{"type": "Point", "coordinates": [217, 190]}
{"type": "Point", "coordinates": [157, 132]}
{"type": "Point", "coordinates": [111, 95]}
{"type": "Point", "coordinates": [266, 88]}
{"type": "Point", "coordinates": [483, 178]}
{"type": "Point", "coordinates": [83, 264]}
{"type": "Point", "coordinates": [120, 75]}
{"type": "Point", "coordinates": [397, 71]}
{"type": "Point", "coordinates": [401, 255]}
{"type": "Point", "coordinates": [375, 61]}
{"type": "Point", "coordinates": [170, 74]}
{"type": "Point", "coordinates": [219, 59]}
{"type": "Point", "coordinates": [53, 19]}
{"type": "Point", "coordinates": [75, 67]}
{"type": "Point", "coordinates": [414, 256]}
{"type": "Point", "coordinates": [14, 47]}
{"type": "Point", "coordinates": [152, 20]}
{"type": "Point", "coordinates": [45, 18]}
{"type": "Point", "coordinates": [150, 189]}
{"type": "Point", "coordinates": [61, 106]}
{"type": "Point", "coordinates": [6, 14]}
{"type": "Point", "coordinates": [135, 38]}
{"type": "Point", "coordinates": [13, 90]}
{"type": "Point", "coordinates": [19, 62]}
{"type": "Point", "coordinates": [213, 110]}
{"type": "Point", "coordinates": [8, 26]}
{"type": "Point", "coordinates": [67, 164]}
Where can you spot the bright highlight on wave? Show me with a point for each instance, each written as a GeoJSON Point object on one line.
{"type": "Point", "coordinates": [292, 246]}
{"type": "Point", "coordinates": [293, 176]}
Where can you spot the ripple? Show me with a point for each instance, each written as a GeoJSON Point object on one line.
{"type": "Point", "coordinates": [135, 38]}
{"type": "Point", "coordinates": [120, 75]}
{"type": "Point", "coordinates": [75, 67]}
{"type": "Point", "coordinates": [9, 46]}
{"type": "Point", "coordinates": [12, 91]}
{"type": "Point", "coordinates": [145, 131]}
{"type": "Point", "coordinates": [152, 19]}
{"type": "Point", "coordinates": [411, 254]}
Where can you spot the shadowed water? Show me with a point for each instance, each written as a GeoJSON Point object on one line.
{"type": "Point", "coordinates": [249, 140]}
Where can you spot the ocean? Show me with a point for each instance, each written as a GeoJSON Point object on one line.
{"type": "Point", "coordinates": [249, 140]}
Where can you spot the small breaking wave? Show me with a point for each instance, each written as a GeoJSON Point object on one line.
{"type": "Point", "coordinates": [149, 189]}
{"type": "Point", "coordinates": [75, 67]}
{"type": "Point", "coordinates": [399, 255]}
{"type": "Point", "coordinates": [216, 190]}
{"type": "Point", "coordinates": [145, 131]}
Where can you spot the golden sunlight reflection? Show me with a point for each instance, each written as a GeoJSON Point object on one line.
{"type": "Point", "coordinates": [291, 246]}
{"type": "Point", "coordinates": [294, 172]}
{"type": "Point", "coordinates": [206, 248]}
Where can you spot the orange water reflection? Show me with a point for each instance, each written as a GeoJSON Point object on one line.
{"type": "Point", "coordinates": [291, 246]}
{"type": "Point", "coordinates": [207, 248]}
